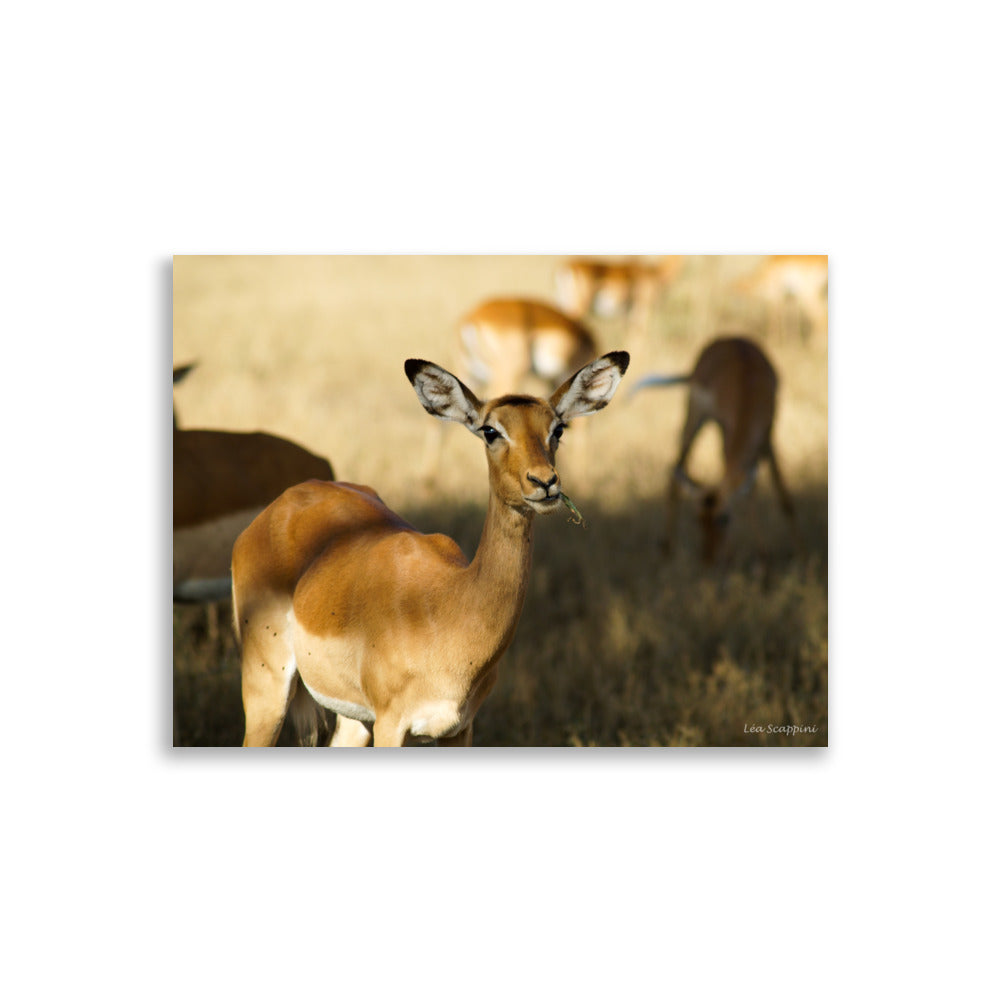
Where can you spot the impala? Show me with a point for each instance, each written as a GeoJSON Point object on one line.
{"type": "Point", "coordinates": [222, 481]}
{"type": "Point", "coordinates": [735, 385]}
{"type": "Point", "coordinates": [600, 288]}
{"type": "Point", "coordinates": [793, 290]}
{"type": "Point", "coordinates": [338, 602]}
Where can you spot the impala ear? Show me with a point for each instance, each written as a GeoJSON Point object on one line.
{"type": "Point", "coordinates": [441, 394]}
{"type": "Point", "coordinates": [181, 373]}
{"type": "Point", "coordinates": [591, 388]}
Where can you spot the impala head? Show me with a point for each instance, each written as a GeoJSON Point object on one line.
{"type": "Point", "coordinates": [521, 433]}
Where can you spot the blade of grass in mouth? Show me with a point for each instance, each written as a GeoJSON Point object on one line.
{"type": "Point", "coordinates": [577, 517]}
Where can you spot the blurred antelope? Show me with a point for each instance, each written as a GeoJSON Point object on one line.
{"type": "Point", "coordinates": [734, 384]}
{"type": "Point", "coordinates": [609, 290]}
{"type": "Point", "coordinates": [507, 345]}
{"type": "Point", "coordinates": [504, 342]}
{"type": "Point", "coordinates": [794, 292]}
{"type": "Point", "coordinates": [222, 481]}
{"type": "Point", "coordinates": [337, 601]}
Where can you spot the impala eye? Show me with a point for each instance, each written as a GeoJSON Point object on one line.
{"type": "Point", "coordinates": [490, 434]}
{"type": "Point", "coordinates": [558, 432]}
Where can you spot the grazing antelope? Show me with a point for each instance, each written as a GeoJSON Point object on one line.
{"type": "Point", "coordinates": [793, 290]}
{"type": "Point", "coordinates": [734, 384]}
{"type": "Point", "coordinates": [337, 599]}
{"type": "Point", "coordinates": [600, 288]}
{"type": "Point", "coordinates": [222, 481]}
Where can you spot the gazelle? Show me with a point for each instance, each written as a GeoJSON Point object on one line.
{"type": "Point", "coordinates": [586, 286]}
{"type": "Point", "coordinates": [510, 345]}
{"type": "Point", "coordinates": [394, 630]}
{"type": "Point", "coordinates": [734, 384]}
{"type": "Point", "coordinates": [793, 290]}
{"type": "Point", "coordinates": [222, 481]}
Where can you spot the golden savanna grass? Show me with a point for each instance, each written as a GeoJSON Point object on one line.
{"type": "Point", "coordinates": [617, 645]}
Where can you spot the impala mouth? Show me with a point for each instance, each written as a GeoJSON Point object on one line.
{"type": "Point", "coordinates": [545, 504]}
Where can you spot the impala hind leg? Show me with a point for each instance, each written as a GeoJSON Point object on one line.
{"type": "Point", "coordinates": [265, 702]}
{"type": "Point", "coordinates": [784, 497]}
{"type": "Point", "coordinates": [268, 686]}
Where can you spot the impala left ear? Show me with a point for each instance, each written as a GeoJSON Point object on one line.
{"type": "Point", "coordinates": [591, 388]}
{"type": "Point", "coordinates": [442, 394]}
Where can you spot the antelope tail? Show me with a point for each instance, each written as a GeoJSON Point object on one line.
{"type": "Point", "coordinates": [658, 381]}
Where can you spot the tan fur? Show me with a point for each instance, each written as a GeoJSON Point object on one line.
{"type": "Point", "coordinates": [793, 289]}
{"type": "Point", "coordinates": [503, 342]}
{"type": "Point", "coordinates": [734, 384]}
{"type": "Point", "coordinates": [589, 287]}
{"type": "Point", "coordinates": [389, 623]}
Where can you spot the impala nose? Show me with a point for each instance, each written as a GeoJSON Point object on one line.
{"type": "Point", "coordinates": [546, 486]}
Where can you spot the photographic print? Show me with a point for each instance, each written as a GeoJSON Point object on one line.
{"type": "Point", "coordinates": [504, 501]}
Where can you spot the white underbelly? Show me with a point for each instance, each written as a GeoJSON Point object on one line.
{"type": "Point", "coordinates": [360, 713]}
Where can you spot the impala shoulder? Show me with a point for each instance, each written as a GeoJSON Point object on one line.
{"type": "Point", "coordinates": [365, 491]}
{"type": "Point", "coordinates": [414, 545]}
{"type": "Point", "coordinates": [339, 500]}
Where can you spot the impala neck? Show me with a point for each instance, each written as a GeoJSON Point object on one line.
{"type": "Point", "coordinates": [498, 575]}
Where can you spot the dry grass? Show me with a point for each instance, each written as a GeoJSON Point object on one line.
{"type": "Point", "coordinates": [616, 646]}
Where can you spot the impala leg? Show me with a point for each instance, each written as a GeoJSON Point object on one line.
{"type": "Point", "coordinates": [268, 669]}
{"type": "Point", "coordinates": [692, 424]}
{"type": "Point", "coordinates": [784, 497]}
{"type": "Point", "coordinates": [388, 731]}
{"type": "Point", "coordinates": [350, 733]}
{"type": "Point", "coordinates": [266, 696]}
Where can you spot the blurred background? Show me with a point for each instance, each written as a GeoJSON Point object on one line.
{"type": "Point", "coordinates": [618, 644]}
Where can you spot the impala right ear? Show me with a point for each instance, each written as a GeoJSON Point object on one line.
{"type": "Point", "coordinates": [441, 394]}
